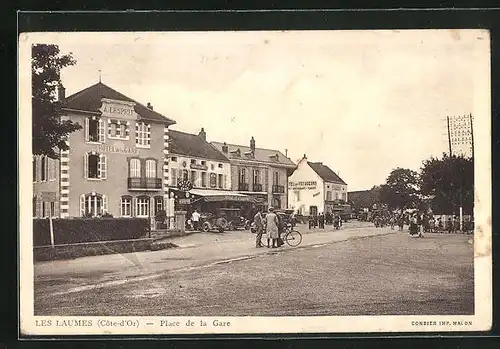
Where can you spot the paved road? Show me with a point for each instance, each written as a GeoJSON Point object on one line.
{"type": "Point", "coordinates": [388, 274]}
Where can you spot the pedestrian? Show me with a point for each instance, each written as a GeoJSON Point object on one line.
{"type": "Point", "coordinates": [321, 221]}
{"type": "Point", "coordinates": [413, 225]}
{"type": "Point", "coordinates": [401, 222]}
{"type": "Point", "coordinates": [450, 225]}
{"type": "Point", "coordinates": [432, 224]}
{"type": "Point", "coordinates": [259, 227]}
{"type": "Point", "coordinates": [195, 219]}
{"type": "Point", "coordinates": [392, 222]}
{"type": "Point", "coordinates": [272, 224]}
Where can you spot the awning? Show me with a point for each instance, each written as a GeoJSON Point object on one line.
{"type": "Point", "coordinates": [221, 195]}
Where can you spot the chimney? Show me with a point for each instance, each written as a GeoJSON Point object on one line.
{"type": "Point", "coordinates": [224, 148]}
{"type": "Point", "coordinates": [61, 93]}
{"type": "Point", "coordinates": [150, 106]}
{"type": "Point", "coordinates": [252, 145]}
{"type": "Point", "coordinates": [203, 134]}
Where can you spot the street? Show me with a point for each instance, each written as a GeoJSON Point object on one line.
{"type": "Point", "coordinates": [359, 270]}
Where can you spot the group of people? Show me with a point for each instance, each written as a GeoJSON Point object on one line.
{"type": "Point", "coordinates": [420, 222]}
{"type": "Point", "coordinates": [318, 221]}
{"type": "Point", "coordinates": [270, 223]}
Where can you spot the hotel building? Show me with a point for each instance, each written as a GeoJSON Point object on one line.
{"type": "Point", "coordinates": [117, 163]}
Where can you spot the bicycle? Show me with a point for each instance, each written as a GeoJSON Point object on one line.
{"type": "Point", "coordinates": [292, 237]}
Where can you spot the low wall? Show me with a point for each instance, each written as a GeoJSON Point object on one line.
{"type": "Point", "coordinates": [71, 251]}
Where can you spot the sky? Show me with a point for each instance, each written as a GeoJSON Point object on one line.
{"type": "Point", "coordinates": [361, 102]}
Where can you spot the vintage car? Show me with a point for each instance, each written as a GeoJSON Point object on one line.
{"type": "Point", "coordinates": [211, 222]}
{"type": "Point", "coordinates": [234, 218]}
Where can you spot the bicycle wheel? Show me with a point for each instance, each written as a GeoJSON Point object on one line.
{"type": "Point", "coordinates": [293, 238]}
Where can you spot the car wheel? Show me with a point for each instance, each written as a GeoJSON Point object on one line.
{"type": "Point", "coordinates": [206, 227]}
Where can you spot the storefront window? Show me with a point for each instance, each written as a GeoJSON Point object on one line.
{"type": "Point", "coordinates": [204, 179]}
{"type": "Point", "coordinates": [221, 180]}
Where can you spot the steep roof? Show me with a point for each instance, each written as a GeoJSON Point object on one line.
{"type": "Point", "coordinates": [188, 144]}
{"type": "Point", "coordinates": [263, 155]}
{"type": "Point", "coordinates": [89, 99]}
{"type": "Point", "coordinates": [325, 173]}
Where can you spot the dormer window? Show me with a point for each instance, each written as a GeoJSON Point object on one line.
{"type": "Point", "coordinates": [274, 157]}
{"type": "Point", "coordinates": [236, 152]}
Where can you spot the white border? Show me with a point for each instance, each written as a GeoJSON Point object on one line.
{"type": "Point", "coordinates": [481, 320]}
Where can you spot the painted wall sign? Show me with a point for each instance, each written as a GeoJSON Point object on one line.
{"type": "Point", "coordinates": [118, 109]}
{"type": "Point", "coordinates": [118, 150]}
{"type": "Point", "coordinates": [302, 185]}
{"type": "Point", "coordinates": [198, 167]}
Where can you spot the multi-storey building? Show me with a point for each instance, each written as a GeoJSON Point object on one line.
{"type": "Point", "coordinates": [314, 188]}
{"type": "Point", "coordinates": [117, 163]}
{"type": "Point", "coordinates": [195, 160]}
{"type": "Point", "coordinates": [261, 173]}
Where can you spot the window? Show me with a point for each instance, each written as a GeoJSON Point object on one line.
{"type": "Point", "coordinates": [220, 166]}
{"type": "Point", "coordinates": [95, 166]}
{"type": "Point", "coordinates": [344, 196]}
{"type": "Point", "coordinates": [142, 135]}
{"type": "Point", "coordinates": [185, 175]}
{"type": "Point", "coordinates": [126, 206]}
{"type": "Point", "coordinates": [118, 129]}
{"type": "Point", "coordinates": [243, 176]}
{"type": "Point", "coordinates": [34, 206]}
{"type": "Point", "coordinates": [256, 176]}
{"type": "Point", "coordinates": [193, 161]}
{"type": "Point", "coordinates": [276, 178]}
{"type": "Point", "coordinates": [34, 170]}
{"type": "Point", "coordinates": [220, 180]}
{"type": "Point", "coordinates": [94, 130]}
{"type": "Point", "coordinates": [44, 168]}
{"type": "Point", "coordinates": [193, 177]}
{"type": "Point", "coordinates": [135, 168]}
{"type": "Point", "coordinates": [297, 195]}
{"type": "Point", "coordinates": [151, 168]}
{"type": "Point", "coordinates": [158, 204]}
{"type": "Point", "coordinates": [52, 208]}
{"type": "Point", "coordinates": [173, 177]}
{"type": "Point", "coordinates": [203, 162]}
{"type": "Point", "coordinates": [173, 158]}
{"type": "Point", "coordinates": [328, 196]}
{"type": "Point", "coordinates": [93, 204]}
{"type": "Point", "coordinates": [212, 166]}
{"type": "Point", "coordinates": [44, 209]}
{"type": "Point", "coordinates": [143, 206]}
{"type": "Point", "coordinates": [204, 179]}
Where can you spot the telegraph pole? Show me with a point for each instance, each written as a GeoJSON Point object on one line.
{"type": "Point", "coordinates": [449, 134]}
{"type": "Point", "coordinates": [471, 135]}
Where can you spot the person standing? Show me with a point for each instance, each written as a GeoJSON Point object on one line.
{"type": "Point", "coordinates": [321, 221]}
{"type": "Point", "coordinates": [195, 219]}
{"type": "Point", "coordinates": [259, 227]}
{"type": "Point", "coordinates": [272, 224]}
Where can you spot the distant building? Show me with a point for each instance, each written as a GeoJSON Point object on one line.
{"type": "Point", "coordinates": [314, 188]}
{"type": "Point", "coordinates": [261, 173]}
{"type": "Point", "coordinates": [364, 199]}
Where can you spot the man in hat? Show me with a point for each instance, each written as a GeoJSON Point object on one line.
{"type": "Point", "coordinates": [259, 227]}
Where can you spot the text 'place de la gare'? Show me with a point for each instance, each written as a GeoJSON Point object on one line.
{"type": "Point", "coordinates": [127, 161]}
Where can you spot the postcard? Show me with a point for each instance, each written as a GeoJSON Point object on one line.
{"type": "Point", "coordinates": [254, 182]}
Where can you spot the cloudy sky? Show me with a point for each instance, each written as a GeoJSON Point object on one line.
{"type": "Point", "coordinates": [361, 102]}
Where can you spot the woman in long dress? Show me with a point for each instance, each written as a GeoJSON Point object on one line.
{"type": "Point", "coordinates": [272, 228]}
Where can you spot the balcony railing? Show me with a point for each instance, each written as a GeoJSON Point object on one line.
{"type": "Point", "coordinates": [278, 189]}
{"type": "Point", "coordinates": [143, 183]}
{"type": "Point", "coordinates": [243, 186]}
{"type": "Point", "coordinates": [257, 187]}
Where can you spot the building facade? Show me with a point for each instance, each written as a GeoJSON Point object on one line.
{"type": "Point", "coordinates": [195, 160]}
{"type": "Point", "coordinates": [314, 188]}
{"type": "Point", "coordinates": [116, 164]}
{"type": "Point", "coordinates": [260, 173]}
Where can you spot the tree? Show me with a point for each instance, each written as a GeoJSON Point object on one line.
{"type": "Point", "coordinates": [401, 189]}
{"type": "Point", "coordinates": [49, 131]}
{"type": "Point", "coordinates": [449, 182]}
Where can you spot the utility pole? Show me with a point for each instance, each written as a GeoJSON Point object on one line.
{"type": "Point", "coordinates": [449, 134]}
{"type": "Point", "coordinates": [471, 135]}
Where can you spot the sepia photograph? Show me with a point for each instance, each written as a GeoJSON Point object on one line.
{"type": "Point", "coordinates": [255, 182]}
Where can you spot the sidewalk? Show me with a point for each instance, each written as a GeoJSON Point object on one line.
{"type": "Point", "coordinates": [194, 250]}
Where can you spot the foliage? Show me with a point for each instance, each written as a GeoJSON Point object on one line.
{"type": "Point", "coordinates": [449, 183]}
{"type": "Point", "coordinates": [401, 189]}
{"type": "Point", "coordinates": [49, 131]}
{"type": "Point", "coordinates": [365, 199]}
